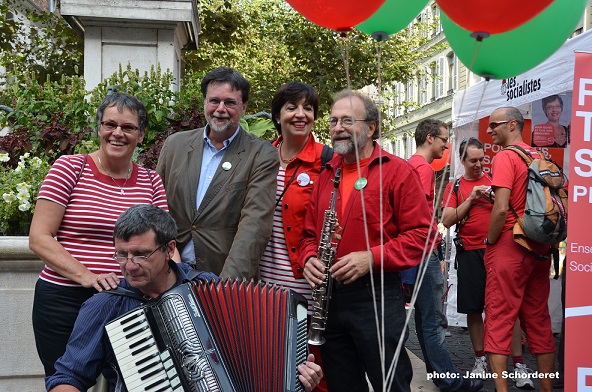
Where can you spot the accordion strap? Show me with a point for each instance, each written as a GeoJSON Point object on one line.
{"type": "Point", "coordinates": [128, 293]}
{"type": "Point", "coordinates": [191, 275]}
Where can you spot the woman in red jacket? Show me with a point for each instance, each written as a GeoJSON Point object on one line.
{"type": "Point", "coordinates": [294, 109]}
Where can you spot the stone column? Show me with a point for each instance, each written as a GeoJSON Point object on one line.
{"type": "Point", "coordinates": [20, 367]}
{"type": "Point", "coordinates": [142, 33]}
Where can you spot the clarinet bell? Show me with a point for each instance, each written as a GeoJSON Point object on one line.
{"type": "Point", "coordinates": [315, 337]}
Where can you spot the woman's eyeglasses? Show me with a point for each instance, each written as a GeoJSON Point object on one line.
{"type": "Point", "coordinates": [112, 126]}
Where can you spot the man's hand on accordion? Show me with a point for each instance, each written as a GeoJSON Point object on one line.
{"type": "Point", "coordinates": [310, 373]}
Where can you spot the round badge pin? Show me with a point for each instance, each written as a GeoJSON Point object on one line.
{"type": "Point", "coordinates": [360, 183]}
{"type": "Point", "coordinates": [303, 179]}
{"type": "Point", "coordinates": [226, 166]}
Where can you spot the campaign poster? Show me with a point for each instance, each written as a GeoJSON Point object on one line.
{"type": "Point", "coordinates": [551, 119]}
{"type": "Point", "coordinates": [578, 290]}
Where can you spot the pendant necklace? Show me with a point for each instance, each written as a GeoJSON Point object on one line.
{"type": "Point", "coordinates": [121, 191]}
{"type": "Point", "coordinates": [289, 160]}
{"type": "Point", "coordinates": [282, 158]}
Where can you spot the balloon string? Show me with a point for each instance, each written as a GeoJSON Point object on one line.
{"type": "Point", "coordinates": [380, 326]}
{"type": "Point", "coordinates": [388, 377]}
{"type": "Point", "coordinates": [345, 44]}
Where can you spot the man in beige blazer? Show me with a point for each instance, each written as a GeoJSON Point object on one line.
{"type": "Point", "coordinates": [221, 183]}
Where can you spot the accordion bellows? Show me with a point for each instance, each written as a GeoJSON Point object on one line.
{"type": "Point", "coordinates": [225, 336]}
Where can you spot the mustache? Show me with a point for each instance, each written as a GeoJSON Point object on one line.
{"type": "Point", "coordinates": [222, 116]}
{"type": "Point", "coordinates": [342, 137]}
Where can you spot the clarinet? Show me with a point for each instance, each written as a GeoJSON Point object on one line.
{"type": "Point", "coordinates": [326, 254]}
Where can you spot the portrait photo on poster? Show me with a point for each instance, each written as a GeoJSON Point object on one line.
{"type": "Point", "coordinates": [551, 119]}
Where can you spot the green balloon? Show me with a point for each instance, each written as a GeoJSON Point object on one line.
{"type": "Point", "coordinates": [392, 16]}
{"type": "Point", "coordinates": [508, 54]}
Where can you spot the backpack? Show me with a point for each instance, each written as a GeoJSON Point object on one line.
{"type": "Point", "coordinates": [545, 214]}
{"type": "Point", "coordinates": [326, 156]}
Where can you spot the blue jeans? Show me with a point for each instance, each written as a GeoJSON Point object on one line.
{"type": "Point", "coordinates": [351, 349]}
{"type": "Point", "coordinates": [430, 322]}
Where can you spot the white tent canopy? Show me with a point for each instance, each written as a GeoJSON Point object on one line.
{"type": "Point", "coordinates": [553, 76]}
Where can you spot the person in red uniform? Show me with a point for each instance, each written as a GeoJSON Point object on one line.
{"type": "Point", "coordinates": [469, 208]}
{"type": "Point", "coordinates": [517, 284]}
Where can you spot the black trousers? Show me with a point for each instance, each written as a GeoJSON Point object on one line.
{"type": "Point", "coordinates": [55, 309]}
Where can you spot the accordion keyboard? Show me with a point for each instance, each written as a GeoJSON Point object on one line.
{"type": "Point", "coordinates": [166, 346]}
{"type": "Point", "coordinates": [213, 337]}
{"type": "Point", "coordinates": [142, 365]}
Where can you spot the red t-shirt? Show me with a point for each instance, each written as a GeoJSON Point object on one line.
{"type": "Point", "coordinates": [428, 181]}
{"type": "Point", "coordinates": [349, 176]}
{"type": "Point", "coordinates": [474, 230]}
{"type": "Point", "coordinates": [93, 203]}
{"type": "Point", "coordinates": [510, 171]}
{"type": "Point", "coordinates": [426, 175]}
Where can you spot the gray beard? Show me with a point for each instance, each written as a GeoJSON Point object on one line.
{"type": "Point", "coordinates": [218, 129]}
{"type": "Point", "coordinates": [348, 148]}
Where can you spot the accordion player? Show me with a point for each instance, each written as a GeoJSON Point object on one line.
{"type": "Point", "coordinates": [224, 336]}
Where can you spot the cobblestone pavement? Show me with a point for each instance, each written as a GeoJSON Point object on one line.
{"type": "Point", "coordinates": [461, 351]}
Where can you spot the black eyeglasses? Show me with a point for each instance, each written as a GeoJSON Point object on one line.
{"type": "Point", "coordinates": [137, 260]}
{"type": "Point", "coordinates": [444, 139]}
{"type": "Point", "coordinates": [346, 122]}
{"type": "Point", "coordinates": [112, 126]}
{"type": "Point", "coordinates": [228, 103]}
{"type": "Point", "coordinates": [495, 124]}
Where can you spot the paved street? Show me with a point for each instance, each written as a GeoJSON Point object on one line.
{"type": "Point", "coordinates": [459, 346]}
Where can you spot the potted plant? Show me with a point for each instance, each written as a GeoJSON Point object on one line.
{"type": "Point", "coordinates": [19, 187]}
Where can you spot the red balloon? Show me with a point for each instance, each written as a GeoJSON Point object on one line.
{"type": "Point", "coordinates": [338, 15]}
{"type": "Point", "coordinates": [438, 164]}
{"type": "Point", "coordinates": [492, 16]}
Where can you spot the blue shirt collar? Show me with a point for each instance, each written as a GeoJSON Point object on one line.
{"type": "Point", "coordinates": [226, 142]}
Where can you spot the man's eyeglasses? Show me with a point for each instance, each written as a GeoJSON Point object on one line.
{"type": "Point", "coordinates": [112, 126]}
{"type": "Point", "coordinates": [346, 122]}
{"type": "Point", "coordinates": [137, 260]}
{"type": "Point", "coordinates": [495, 124]}
{"type": "Point", "coordinates": [554, 107]}
{"type": "Point", "coordinates": [228, 103]}
{"type": "Point", "coordinates": [444, 139]}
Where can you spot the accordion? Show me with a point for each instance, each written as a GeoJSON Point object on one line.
{"type": "Point", "coordinates": [224, 336]}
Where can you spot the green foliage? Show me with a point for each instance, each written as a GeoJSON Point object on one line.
{"type": "Point", "coordinates": [266, 40]}
{"type": "Point", "coordinates": [48, 118]}
{"type": "Point", "coordinates": [56, 118]}
{"type": "Point", "coordinates": [259, 126]}
{"type": "Point", "coordinates": [153, 89]}
{"type": "Point", "coordinates": [272, 44]}
{"type": "Point", "coordinates": [46, 46]}
{"type": "Point", "coordinates": [18, 191]}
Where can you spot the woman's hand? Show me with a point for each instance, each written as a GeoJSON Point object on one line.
{"type": "Point", "coordinates": [102, 281]}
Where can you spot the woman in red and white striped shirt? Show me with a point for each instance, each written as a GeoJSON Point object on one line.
{"type": "Point", "coordinates": [72, 228]}
{"type": "Point", "coordinates": [294, 108]}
